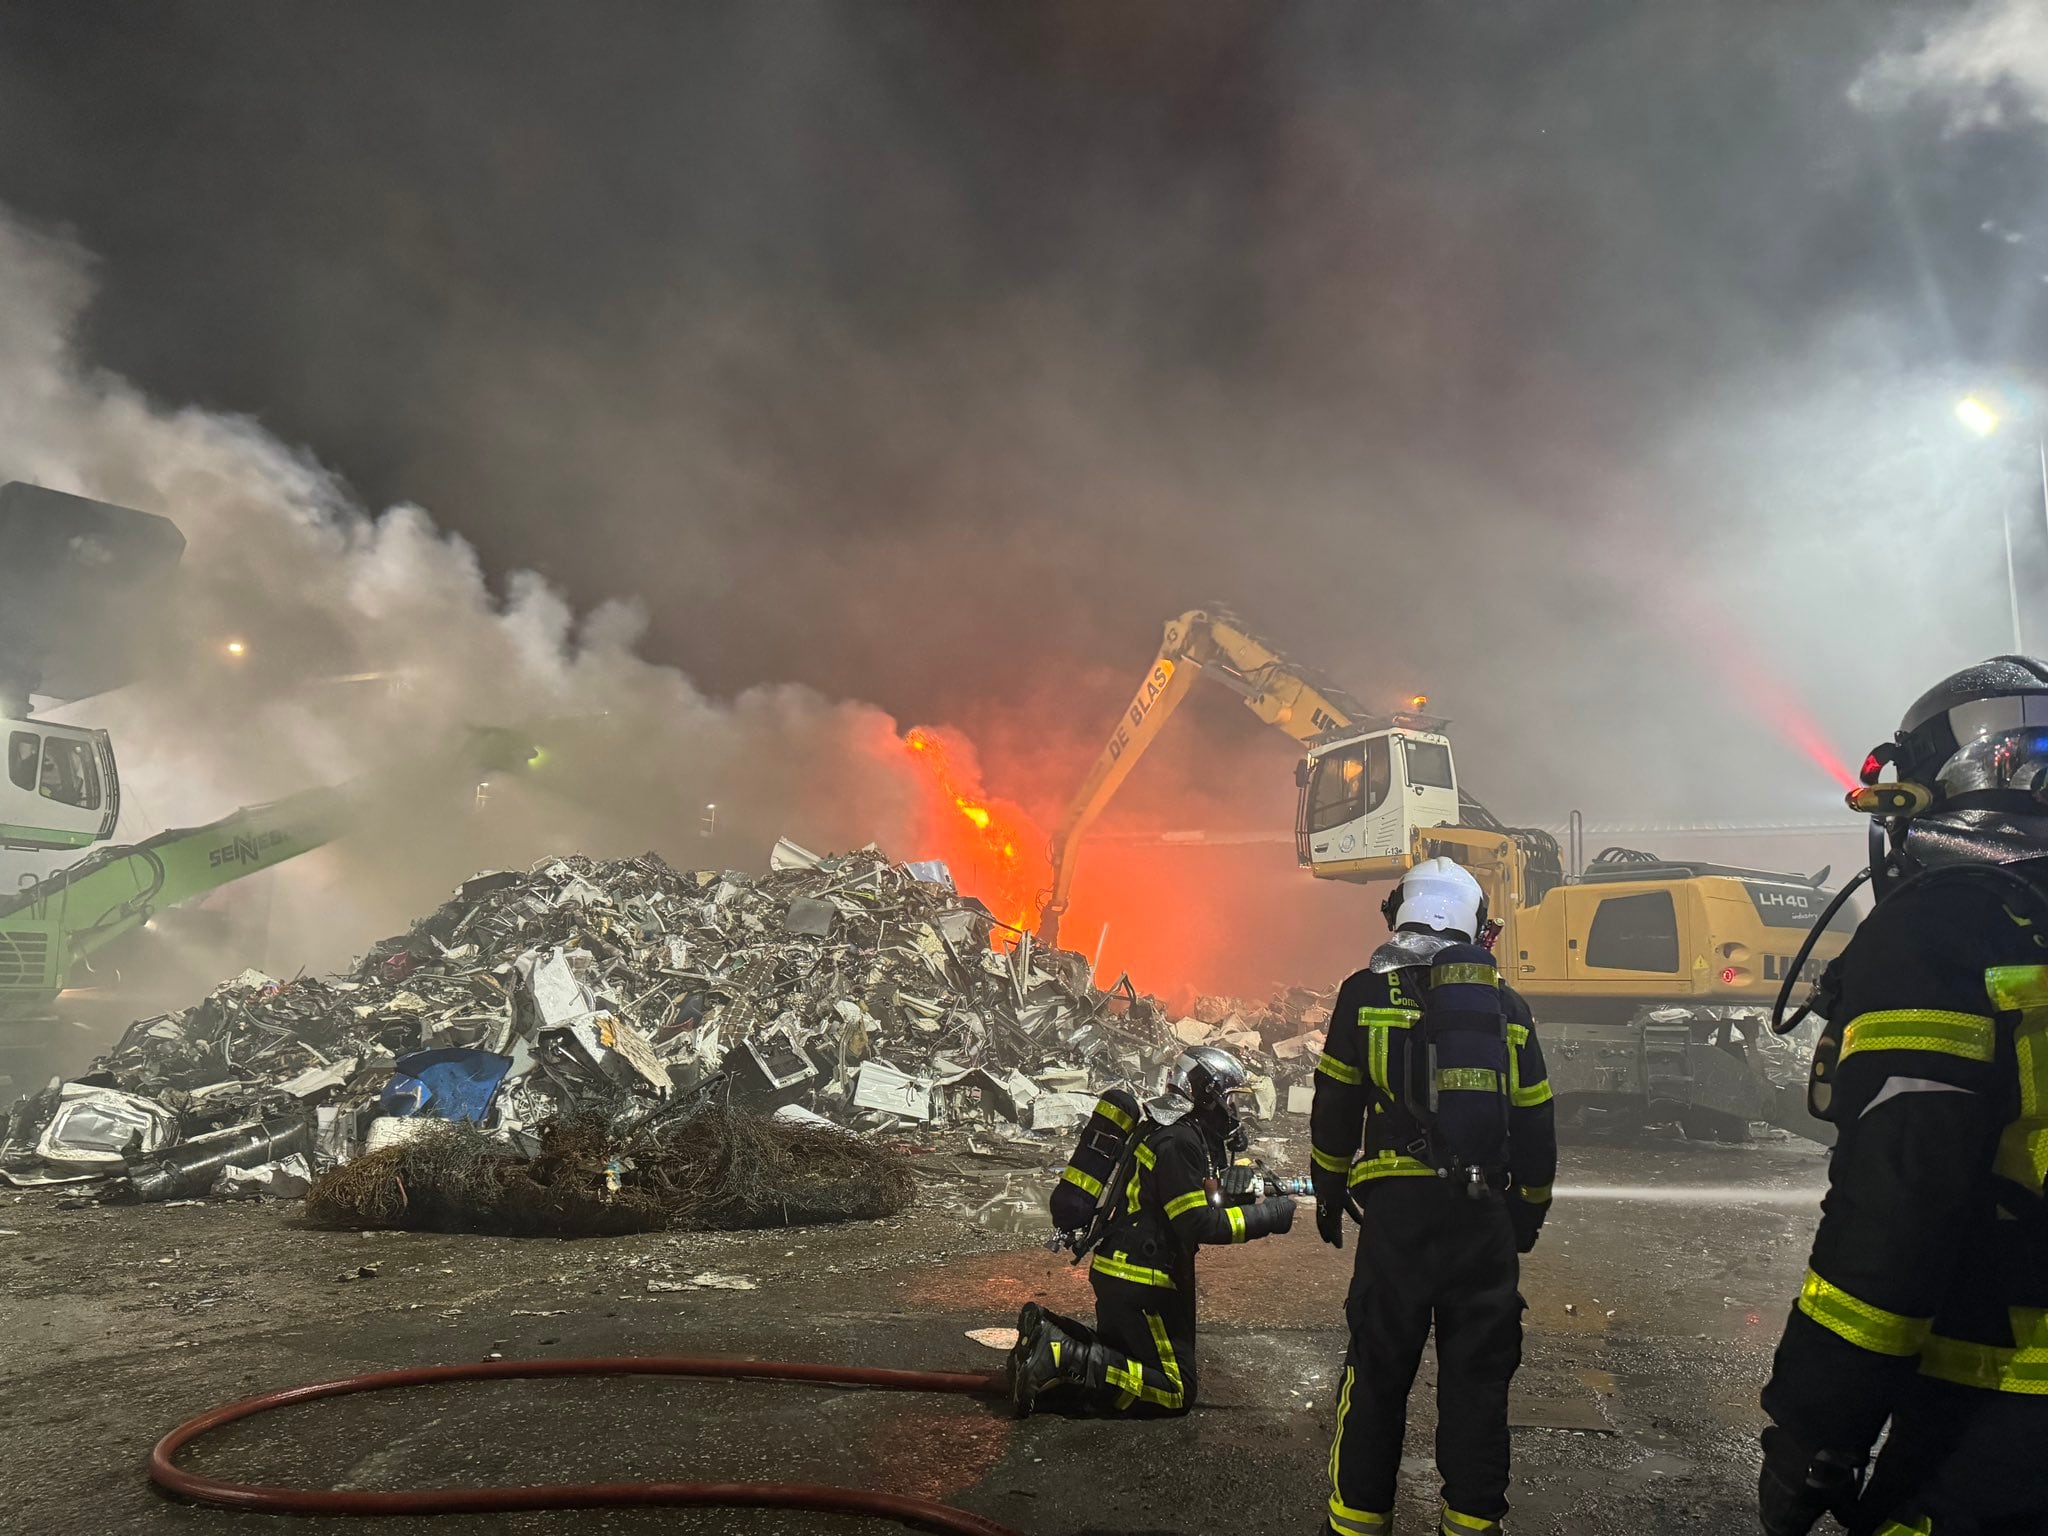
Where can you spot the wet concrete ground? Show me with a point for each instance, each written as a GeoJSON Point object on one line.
{"type": "Point", "coordinates": [1655, 1298]}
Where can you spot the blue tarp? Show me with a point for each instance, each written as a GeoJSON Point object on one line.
{"type": "Point", "coordinates": [452, 1084]}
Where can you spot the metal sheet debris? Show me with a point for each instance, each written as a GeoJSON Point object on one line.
{"type": "Point", "coordinates": [868, 994]}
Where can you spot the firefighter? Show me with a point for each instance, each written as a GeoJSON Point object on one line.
{"type": "Point", "coordinates": [1432, 1126]}
{"type": "Point", "coordinates": [1139, 1358]}
{"type": "Point", "coordinates": [1925, 1301]}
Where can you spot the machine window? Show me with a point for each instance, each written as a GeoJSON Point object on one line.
{"type": "Point", "coordinates": [1339, 793]}
{"type": "Point", "coordinates": [1429, 762]}
{"type": "Point", "coordinates": [1634, 933]}
{"type": "Point", "coordinates": [70, 776]}
{"type": "Point", "coordinates": [1379, 762]}
{"type": "Point", "coordinates": [23, 748]}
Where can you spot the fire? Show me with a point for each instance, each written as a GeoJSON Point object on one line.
{"type": "Point", "coordinates": [979, 837]}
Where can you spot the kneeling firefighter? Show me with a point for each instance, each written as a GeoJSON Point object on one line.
{"type": "Point", "coordinates": [1145, 1190]}
{"type": "Point", "coordinates": [1432, 1126]}
{"type": "Point", "coordinates": [1925, 1302]}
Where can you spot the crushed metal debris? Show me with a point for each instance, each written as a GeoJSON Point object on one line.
{"type": "Point", "coordinates": [837, 994]}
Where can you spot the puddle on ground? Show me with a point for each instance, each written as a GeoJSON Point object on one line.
{"type": "Point", "coordinates": [1019, 1206]}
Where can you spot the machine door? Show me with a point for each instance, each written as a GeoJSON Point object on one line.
{"type": "Point", "coordinates": [1429, 782]}
{"type": "Point", "coordinates": [1350, 803]}
{"type": "Point", "coordinates": [59, 789]}
{"type": "Point", "coordinates": [1627, 938]}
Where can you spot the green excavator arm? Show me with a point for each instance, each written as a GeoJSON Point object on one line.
{"type": "Point", "coordinates": [51, 928]}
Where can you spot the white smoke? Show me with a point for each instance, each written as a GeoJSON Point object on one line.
{"type": "Point", "coordinates": [1988, 67]}
{"type": "Point", "coordinates": [317, 590]}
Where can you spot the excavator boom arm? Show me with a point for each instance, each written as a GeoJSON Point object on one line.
{"type": "Point", "coordinates": [1280, 692]}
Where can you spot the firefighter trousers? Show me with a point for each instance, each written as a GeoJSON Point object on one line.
{"type": "Point", "coordinates": [1429, 1255]}
{"type": "Point", "coordinates": [1960, 1461]}
{"type": "Point", "coordinates": [1144, 1365]}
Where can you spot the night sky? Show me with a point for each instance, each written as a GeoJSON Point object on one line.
{"type": "Point", "coordinates": [1554, 358]}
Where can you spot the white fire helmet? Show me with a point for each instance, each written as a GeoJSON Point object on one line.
{"type": "Point", "coordinates": [1440, 894]}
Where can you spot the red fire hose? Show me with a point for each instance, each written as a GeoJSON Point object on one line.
{"type": "Point", "coordinates": [921, 1513]}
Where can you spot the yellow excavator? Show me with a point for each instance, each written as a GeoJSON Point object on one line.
{"type": "Point", "coordinates": [1651, 980]}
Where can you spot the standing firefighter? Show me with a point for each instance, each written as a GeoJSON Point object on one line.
{"type": "Point", "coordinates": [1926, 1299]}
{"type": "Point", "coordinates": [1162, 1196]}
{"type": "Point", "coordinates": [1433, 1058]}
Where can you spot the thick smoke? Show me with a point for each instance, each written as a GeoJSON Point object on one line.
{"type": "Point", "coordinates": [1988, 67]}
{"type": "Point", "coordinates": [371, 643]}
{"type": "Point", "coordinates": [1589, 369]}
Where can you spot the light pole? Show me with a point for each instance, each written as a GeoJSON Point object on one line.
{"type": "Point", "coordinates": [1983, 418]}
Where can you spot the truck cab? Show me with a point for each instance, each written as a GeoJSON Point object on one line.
{"type": "Point", "coordinates": [1366, 793]}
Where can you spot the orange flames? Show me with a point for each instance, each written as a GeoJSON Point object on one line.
{"type": "Point", "coordinates": [982, 840]}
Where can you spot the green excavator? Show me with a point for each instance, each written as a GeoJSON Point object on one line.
{"type": "Point", "coordinates": [83, 585]}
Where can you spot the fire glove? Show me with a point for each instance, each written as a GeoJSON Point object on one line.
{"type": "Point", "coordinates": [1269, 1216]}
{"type": "Point", "coordinates": [1795, 1490]}
{"type": "Point", "coordinates": [1330, 1222]}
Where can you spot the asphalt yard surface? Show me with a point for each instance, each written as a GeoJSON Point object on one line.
{"type": "Point", "coordinates": [1654, 1298]}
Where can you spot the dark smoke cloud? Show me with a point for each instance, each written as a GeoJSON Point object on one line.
{"type": "Point", "coordinates": [1585, 365]}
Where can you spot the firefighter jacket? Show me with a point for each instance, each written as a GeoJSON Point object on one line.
{"type": "Point", "coordinates": [1932, 1251]}
{"type": "Point", "coordinates": [1375, 1065]}
{"type": "Point", "coordinates": [1167, 1210]}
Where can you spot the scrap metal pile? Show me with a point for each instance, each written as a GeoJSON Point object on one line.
{"type": "Point", "coordinates": [847, 989]}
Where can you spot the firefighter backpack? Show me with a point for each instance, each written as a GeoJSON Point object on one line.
{"type": "Point", "coordinates": [1096, 1155]}
{"type": "Point", "coordinates": [1464, 1029]}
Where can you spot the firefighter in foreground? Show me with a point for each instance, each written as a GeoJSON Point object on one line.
{"type": "Point", "coordinates": [1144, 1191]}
{"type": "Point", "coordinates": [1433, 1127]}
{"type": "Point", "coordinates": [1926, 1298]}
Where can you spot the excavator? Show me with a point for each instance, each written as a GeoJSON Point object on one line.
{"type": "Point", "coordinates": [81, 584]}
{"type": "Point", "coordinates": [1650, 979]}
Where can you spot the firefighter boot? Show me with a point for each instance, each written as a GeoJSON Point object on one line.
{"type": "Point", "coordinates": [1046, 1359]}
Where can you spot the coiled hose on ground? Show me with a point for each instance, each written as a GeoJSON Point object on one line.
{"type": "Point", "coordinates": [923, 1514]}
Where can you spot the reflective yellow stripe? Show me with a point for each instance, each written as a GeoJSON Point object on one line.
{"type": "Point", "coordinates": [1466, 974]}
{"type": "Point", "coordinates": [1145, 1157]}
{"type": "Point", "coordinates": [2023, 1145]}
{"type": "Point", "coordinates": [1337, 1505]}
{"type": "Point", "coordinates": [1390, 1165]}
{"type": "Point", "coordinates": [1236, 1218]}
{"type": "Point", "coordinates": [2017, 986]}
{"type": "Point", "coordinates": [1133, 1194]}
{"type": "Point", "coordinates": [2023, 1368]}
{"type": "Point", "coordinates": [1968, 1035]}
{"type": "Point", "coordinates": [1922, 1526]}
{"type": "Point", "coordinates": [1168, 1365]}
{"type": "Point", "coordinates": [1535, 1194]}
{"type": "Point", "coordinates": [1131, 1375]}
{"type": "Point", "coordinates": [1118, 1267]}
{"type": "Point", "coordinates": [1518, 1095]}
{"type": "Point", "coordinates": [1082, 1181]}
{"type": "Point", "coordinates": [1356, 1522]}
{"type": "Point", "coordinates": [1112, 1113]}
{"type": "Point", "coordinates": [1387, 1018]}
{"type": "Point", "coordinates": [1467, 1080]}
{"type": "Point", "coordinates": [1342, 1071]}
{"type": "Point", "coordinates": [1327, 1162]}
{"type": "Point", "coordinates": [1186, 1202]}
{"type": "Point", "coordinates": [1458, 1524]}
{"type": "Point", "coordinates": [1376, 1022]}
{"type": "Point", "coordinates": [1865, 1326]}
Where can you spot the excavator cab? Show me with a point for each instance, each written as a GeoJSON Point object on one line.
{"type": "Point", "coordinates": [82, 588]}
{"type": "Point", "coordinates": [60, 789]}
{"type": "Point", "coordinates": [1365, 795]}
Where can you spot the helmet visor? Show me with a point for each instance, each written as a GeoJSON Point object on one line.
{"type": "Point", "coordinates": [2015, 758]}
